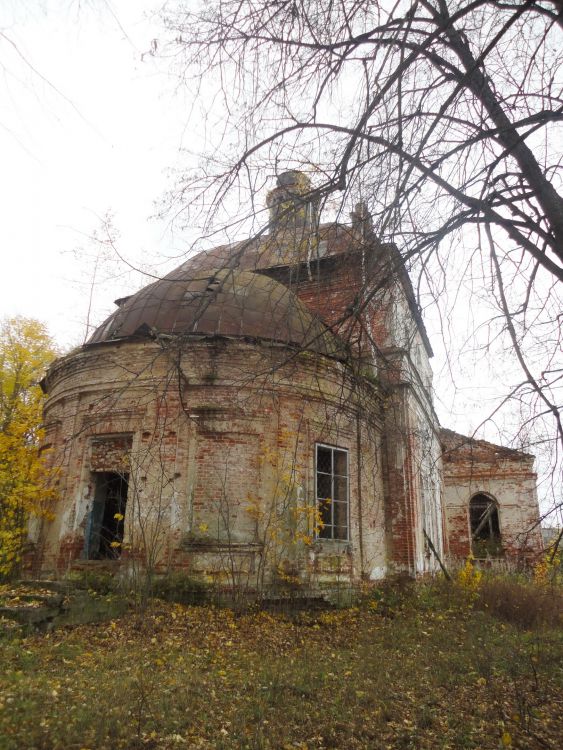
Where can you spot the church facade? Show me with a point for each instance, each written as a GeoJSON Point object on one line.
{"type": "Point", "coordinates": [264, 413]}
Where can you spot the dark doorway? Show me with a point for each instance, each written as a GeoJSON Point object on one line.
{"type": "Point", "coordinates": [485, 527]}
{"type": "Point", "coordinates": [104, 528]}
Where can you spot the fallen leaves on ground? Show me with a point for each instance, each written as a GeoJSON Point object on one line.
{"type": "Point", "coordinates": [204, 677]}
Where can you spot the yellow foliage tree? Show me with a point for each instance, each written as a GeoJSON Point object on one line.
{"type": "Point", "coordinates": [26, 485]}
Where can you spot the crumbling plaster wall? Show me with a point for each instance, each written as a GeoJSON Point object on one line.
{"type": "Point", "coordinates": [400, 362]}
{"type": "Point", "coordinates": [413, 483]}
{"type": "Point", "coordinates": [222, 437]}
{"type": "Point", "coordinates": [414, 453]}
{"type": "Point", "coordinates": [505, 476]}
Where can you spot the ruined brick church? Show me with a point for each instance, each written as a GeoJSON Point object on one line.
{"type": "Point", "coordinates": [264, 413]}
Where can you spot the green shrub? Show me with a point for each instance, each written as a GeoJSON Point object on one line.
{"type": "Point", "coordinates": [102, 582]}
{"type": "Point", "coordinates": [181, 588]}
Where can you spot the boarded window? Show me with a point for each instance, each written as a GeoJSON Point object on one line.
{"type": "Point", "coordinates": [332, 492]}
{"type": "Point", "coordinates": [485, 527]}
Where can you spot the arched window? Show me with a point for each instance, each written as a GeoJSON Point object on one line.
{"type": "Point", "coordinates": [485, 527]}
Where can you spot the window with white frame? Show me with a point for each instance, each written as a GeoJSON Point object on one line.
{"type": "Point", "coordinates": [331, 486]}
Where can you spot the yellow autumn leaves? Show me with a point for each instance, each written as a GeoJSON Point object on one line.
{"type": "Point", "coordinates": [26, 484]}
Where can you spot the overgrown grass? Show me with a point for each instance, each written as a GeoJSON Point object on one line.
{"type": "Point", "coordinates": [417, 668]}
{"type": "Point", "coordinates": [521, 603]}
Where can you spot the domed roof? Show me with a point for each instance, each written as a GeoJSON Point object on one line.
{"type": "Point", "coordinates": [221, 302]}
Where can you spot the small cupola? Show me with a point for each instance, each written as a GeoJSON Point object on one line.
{"type": "Point", "coordinates": [292, 204]}
{"type": "Point", "coordinates": [362, 222]}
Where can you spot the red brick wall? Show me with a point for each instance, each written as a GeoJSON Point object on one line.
{"type": "Point", "coordinates": [475, 466]}
{"type": "Point", "coordinates": [333, 289]}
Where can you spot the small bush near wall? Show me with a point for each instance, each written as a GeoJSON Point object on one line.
{"type": "Point", "coordinates": [180, 588]}
{"type": "Point", "coordinates": [525, 605]}
{"type": "Point", "coordinates": [100, 581]}
{"type": "Point", "coordinates": [487, 549]}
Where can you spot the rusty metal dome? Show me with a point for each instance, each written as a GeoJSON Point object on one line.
{"type": "Point", "coordinates": [220, 302]}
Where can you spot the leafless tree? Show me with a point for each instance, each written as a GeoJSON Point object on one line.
{"type": "Point", "coordinates": [444, 116]}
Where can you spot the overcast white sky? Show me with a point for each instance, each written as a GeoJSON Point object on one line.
{"type": "Point", "coordinates": [87, 124]}
{"type": "Point", "coordinates": [90, 124]}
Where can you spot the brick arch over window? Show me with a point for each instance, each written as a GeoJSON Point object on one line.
{"type": "Point", "coordinates": [484, 520]}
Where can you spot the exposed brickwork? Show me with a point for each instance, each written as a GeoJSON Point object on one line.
{"type": "Point", "coordinates": [111, 453]}
{"type": "Point", "coordinates": [216, 463]}
{"type": "Point", "coordinates": [507, 477]}
{"type": "Point", "coordinates": [335, 287]}
{"type": "Point", "coordinates": [217, 432]}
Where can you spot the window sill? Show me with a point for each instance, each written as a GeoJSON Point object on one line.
{"type": "Point", "coordinates": [334, 546]}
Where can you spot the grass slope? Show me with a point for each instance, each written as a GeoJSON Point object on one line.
{"type": "Point", "coordinates": [423, 669]}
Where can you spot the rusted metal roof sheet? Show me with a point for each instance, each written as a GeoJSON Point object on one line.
{"type": "Point", "coordinates": [299, 246]}
{"type": "Point", "coordinates": [220, 302]}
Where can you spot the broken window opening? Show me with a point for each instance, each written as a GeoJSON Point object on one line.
{"type": "Point", "coordinates": [331, 488]}
{"type": "Point", "coordinates": [485, 527]}
{"type": "Point", "coordinates": [103, 538]}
